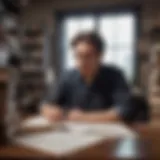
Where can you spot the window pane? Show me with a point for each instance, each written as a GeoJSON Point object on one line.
{"type": "Point", "coordinates": [125, 29]}
{"type": "Point", "coordinates": [118, 32]}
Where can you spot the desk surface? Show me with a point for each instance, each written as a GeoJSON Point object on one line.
{"type": "Point", "coordinates": [150, 136]}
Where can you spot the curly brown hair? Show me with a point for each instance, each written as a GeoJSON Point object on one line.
{"type": "Point", "coordinates": [89, 37]}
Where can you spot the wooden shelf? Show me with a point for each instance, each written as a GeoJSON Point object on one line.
{"type": "Point", "coordinates": [33, 32]}
{"type": "Point", "coordinates": [32, 83]}
{"type": "Point", "coordinates": [4, 75]}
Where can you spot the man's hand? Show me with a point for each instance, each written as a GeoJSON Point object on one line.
{"type": "Point", "coordinates": [52, 113]}
{"type": "Point", "coordinates": [75, 115]}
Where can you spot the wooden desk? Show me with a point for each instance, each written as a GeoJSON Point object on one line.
{"type": "Point", "coordinates": [150, 136]}
{"type": "Point", "coordinates": [4, 79]}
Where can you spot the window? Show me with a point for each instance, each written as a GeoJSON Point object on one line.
{"type": "Point", "coordinates": [118, 31]}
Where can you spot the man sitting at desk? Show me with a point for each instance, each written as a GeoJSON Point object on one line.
{"type": "Point", "coordinates": [91, 92]}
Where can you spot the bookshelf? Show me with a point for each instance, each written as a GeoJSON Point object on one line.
{"type": "Point", "coordinates": [31, 85]}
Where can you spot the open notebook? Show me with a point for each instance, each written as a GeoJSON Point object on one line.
{"type": "Point", "coordinates": [70, 137]}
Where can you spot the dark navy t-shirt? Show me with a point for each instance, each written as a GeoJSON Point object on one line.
{"type": "Point", "coordinates": [108, 90]}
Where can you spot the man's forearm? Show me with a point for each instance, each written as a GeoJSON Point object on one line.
{"type": "Point", "coordinates": [54, 112]}
{"type": "Point", "coordinates": [51, 112]}
{"type": "Point", "coordinates": [103, 116]}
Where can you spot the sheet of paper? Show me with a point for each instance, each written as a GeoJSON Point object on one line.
{"type": "Point", "coordinates": [77, 136]}
{"type": "Point", "coordinates": [34, 122]}
{"type": "Point", "coordinates": [58, 143]}
{"type": "Point", "coordinates": [107, 130]}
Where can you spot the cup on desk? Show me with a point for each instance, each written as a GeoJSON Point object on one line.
{"type": "Point", "coordinates": [130, 148]}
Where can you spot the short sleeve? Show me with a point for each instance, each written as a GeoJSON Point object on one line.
{"type": "Point", "coordinates": [121, 96]}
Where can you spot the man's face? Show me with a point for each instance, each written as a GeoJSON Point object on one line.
{"type": "Point", "coordinates": [87, 58]}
